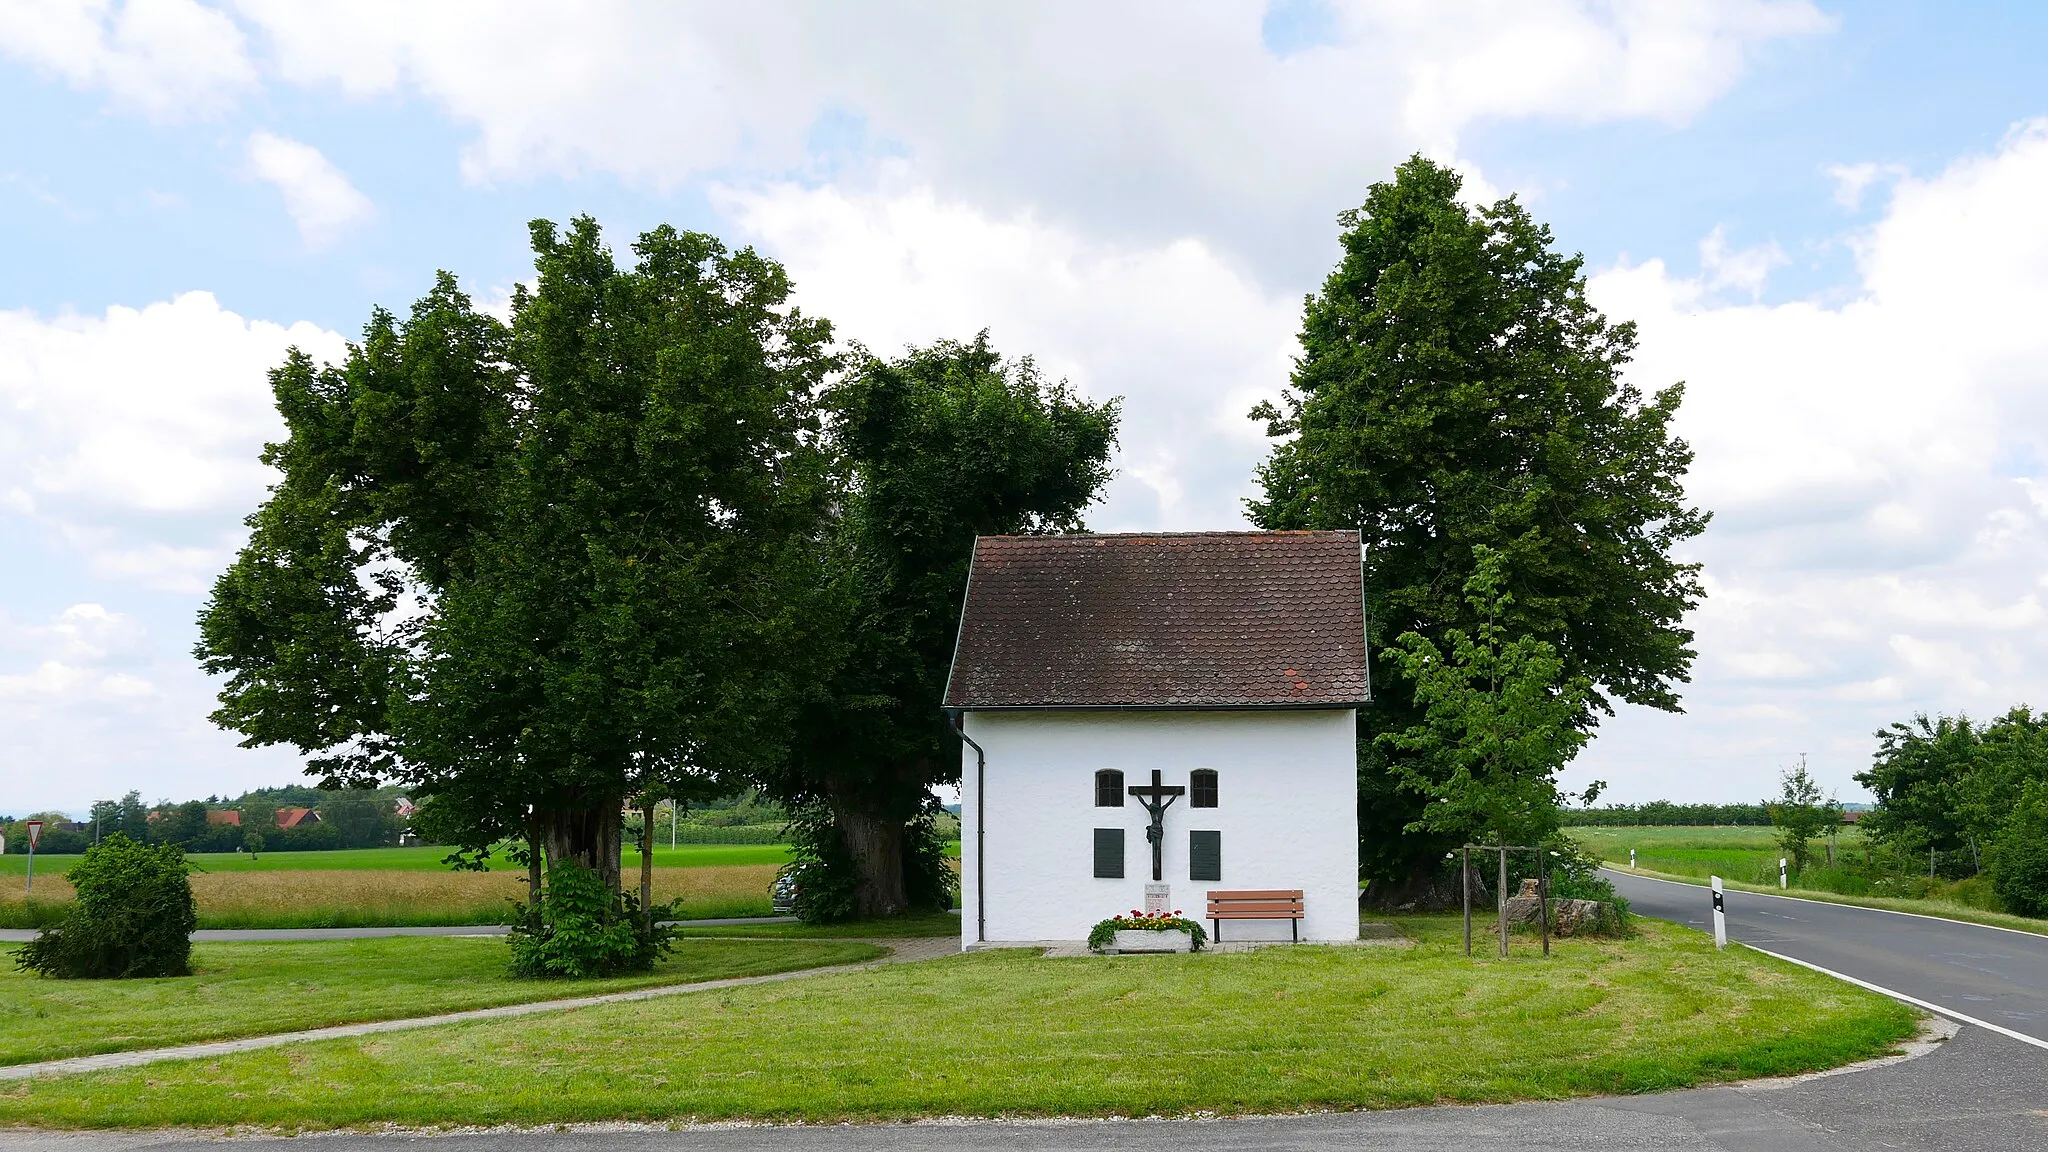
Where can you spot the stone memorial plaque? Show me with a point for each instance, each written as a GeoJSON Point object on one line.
{"type": "Point", "coordinates": [1158, 898]}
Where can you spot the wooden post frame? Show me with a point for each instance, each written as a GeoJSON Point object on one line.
{"type": "Point", "coordinates": [1465, 883]}
{"type": "Point", "coordinates": [1501, 896]}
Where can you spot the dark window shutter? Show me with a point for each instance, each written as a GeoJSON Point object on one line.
{"type": "Point", "coordinates": [1205, 856]}
{"type": "Point", "coordinates": [1109, 853]}
{"type": "Point", "coordinates": [1109, 788]}
{"type": "Point", "coordinates": [1202, 788]}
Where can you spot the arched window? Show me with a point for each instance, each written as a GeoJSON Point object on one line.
{"type": "Point", "coordinates": [1202, 788]}
{"type": "Point", "coordinates": [1109, 788]}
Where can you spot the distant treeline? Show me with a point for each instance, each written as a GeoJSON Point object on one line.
{"type": "Point", "coordinates": [1661, 812]}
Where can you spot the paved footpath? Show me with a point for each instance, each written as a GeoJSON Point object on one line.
{"type": "Point", "coordinates": [900, 951]}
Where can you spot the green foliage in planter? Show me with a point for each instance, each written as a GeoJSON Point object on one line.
{"type": "Point", "coordinates": [582, 929]}
{"type": "Point", "coordinates": [133, 917]}
{"type": "Point", "coordinates": [1100, 936]}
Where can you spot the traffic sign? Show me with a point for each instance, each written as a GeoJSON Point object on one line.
{"type": "Point", "coordinates": [35, 833]}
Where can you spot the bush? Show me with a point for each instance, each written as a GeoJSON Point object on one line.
{"type": "Point", "coordinates": [582, 929]}
{"type": "Point", "coordinates": [2019, 857]}
{"type": "Point", "coordinates": [133, 916]}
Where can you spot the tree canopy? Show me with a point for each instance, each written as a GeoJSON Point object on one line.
{"type": "Point", "coordinates": [1454, 390]}
{"type": "Point", "coordinates": [533, 569]}
{"type": "Point", "coordinates": [935, 447]}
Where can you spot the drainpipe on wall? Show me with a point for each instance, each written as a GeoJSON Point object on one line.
{"type": "Point", "coordinates": [980, 830]}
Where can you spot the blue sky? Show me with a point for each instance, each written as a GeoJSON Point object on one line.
{"type": "Point", "coordinates": [1139, 196]}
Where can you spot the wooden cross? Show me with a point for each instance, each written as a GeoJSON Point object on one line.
{"type": "Point", "coordinates": [1156, 798]}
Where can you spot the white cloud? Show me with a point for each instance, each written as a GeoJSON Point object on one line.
{"type": "Point", "coordinates": [1878, 547]}
{"type": "Point", "coordinates": [1189, 341]}
{"type": "Point", "coordinates": [1743, 269]}
{"type": "Point", "coordinates": [317, 194]}
{"type": "Point", "coordinates": [134, 436]}
{"type": "Point", "coordinates": [171, 59]}
{"type": "Point", "coordinates": [1151, 121]}
{"type": "Point", "coordinates": [1852, 180]}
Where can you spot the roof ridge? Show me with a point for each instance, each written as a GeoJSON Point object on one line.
{"type": "Point", "coordinates": [1221, 532]}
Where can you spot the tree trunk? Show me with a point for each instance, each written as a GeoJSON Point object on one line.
{"type": "Point", "coordinates": [590, 837]}
{"type": "Point", "coordinates": [647, 865]}
{"type": "Point", "coordinates": [533, 860]}
{"type": "Point", "coordinates": [876, 846]}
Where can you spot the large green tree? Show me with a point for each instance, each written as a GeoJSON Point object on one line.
{"type": "Point", "coordinates": [1454, 390]}
{"type": "Point", "coordinates": [534, 570]}
{"type": "Point", "coordinates": [936, 446]}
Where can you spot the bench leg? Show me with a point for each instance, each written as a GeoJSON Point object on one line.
{"type": "Point", "coordinates": [1216, 931]}
{"type": "Point", "coordinates": [1294, 929]}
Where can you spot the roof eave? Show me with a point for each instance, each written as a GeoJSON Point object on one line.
{"type": "Point", "coordinates": [1288, 706]}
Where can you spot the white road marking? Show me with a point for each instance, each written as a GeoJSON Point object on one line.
{"type": "Point", "coordinates": [1913, 1000]}
{"type": "Point", "coordinates": [1832, 904]}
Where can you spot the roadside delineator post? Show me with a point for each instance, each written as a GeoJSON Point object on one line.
{"type": "Point", "coordinates": [1781, 873]}
{"type": "Point", "coordinates": [1631, 859]}
{"type": "Point", "coordinates": [1720, 916]}
{"type": "Point", "coordinates": [35, 833]}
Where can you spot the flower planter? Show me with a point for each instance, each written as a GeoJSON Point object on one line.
{"type": "Point", "coordinates": [1146, 940]}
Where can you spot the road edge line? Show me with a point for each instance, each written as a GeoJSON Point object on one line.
{"type": "Point", "coordinates": [1902, 997]}
{"type": "Point", "coordinates": [1837, 904]}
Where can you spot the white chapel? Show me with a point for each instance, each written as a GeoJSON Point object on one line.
{"type": "Point", "coordinates": [1203, 685]}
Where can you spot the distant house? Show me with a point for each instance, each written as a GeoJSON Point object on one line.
{"type": "Point", "coordinates": [296, 817]}
{"type": "Point", "coordinates": [224, 816]}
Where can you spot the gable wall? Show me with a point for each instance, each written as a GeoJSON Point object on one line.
{"type": "Point", "coordinates": [1288, 814]}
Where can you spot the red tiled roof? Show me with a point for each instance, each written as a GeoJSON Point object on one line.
{"type": "Point", "coordinates": [1165, 620]}
{"type": "Point", "coordinates": [223, 816]}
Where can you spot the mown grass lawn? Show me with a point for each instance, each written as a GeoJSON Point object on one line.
{"type": "Point", "coordinates": [1011, 1034]}
{"type": "Point", "coordinates": [253, 989]}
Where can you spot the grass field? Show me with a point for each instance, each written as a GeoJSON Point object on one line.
{"type": "Point", "coordinates": [362, 897]}
{"type": "Point", "coordinates": [1010, 1034]}
{"type": "Point", "coordinates": [253, 989]}
{"type": "Point", "coordinates": [425, 859]}
{"type": "Point", "coordinates": [1746, 854]}
{"type": "Point", "coordinates": [1748, 858]}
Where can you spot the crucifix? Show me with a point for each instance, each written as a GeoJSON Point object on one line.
{"type": "Point", "coordinates": [1156, 798]}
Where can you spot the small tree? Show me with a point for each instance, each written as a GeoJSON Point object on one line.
{"type": "Point", "coordinates": [133, 917]}
{"type": "Point", "coordinates": [1500, 720]}
{"type": "Point", "coordinates": [1800, 815]}
{"type": "Point", "coordinates": [252, 843]}
{"type": "Point", "coordinates": [2019, 856]}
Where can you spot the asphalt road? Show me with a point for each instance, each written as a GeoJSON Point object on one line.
{"type": "Point", "coordinates": [1967, 972]}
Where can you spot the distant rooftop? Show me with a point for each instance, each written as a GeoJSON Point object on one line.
{"type": "Point", "coordinates": [1162, 620]}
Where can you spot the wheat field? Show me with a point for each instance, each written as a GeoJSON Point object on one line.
{"type": "Point", "coordinates": [347, 899]}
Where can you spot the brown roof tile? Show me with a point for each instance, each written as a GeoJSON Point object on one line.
{"type": "Point", "coordinates": [1165, 620]}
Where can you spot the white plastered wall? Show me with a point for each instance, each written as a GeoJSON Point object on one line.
{"type": "Point", "coordinates": [1287, 785]}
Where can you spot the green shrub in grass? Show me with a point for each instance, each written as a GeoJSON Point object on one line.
{"type": "Point", "coordinates": [581, 929]}
{"type": "Point", "coordinates": [2019, 857]}
{"type": "Point", "coordinates": [133, 916]}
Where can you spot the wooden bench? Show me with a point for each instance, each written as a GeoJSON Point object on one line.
{"type": "Point", "coordinates": [1277, 904]}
